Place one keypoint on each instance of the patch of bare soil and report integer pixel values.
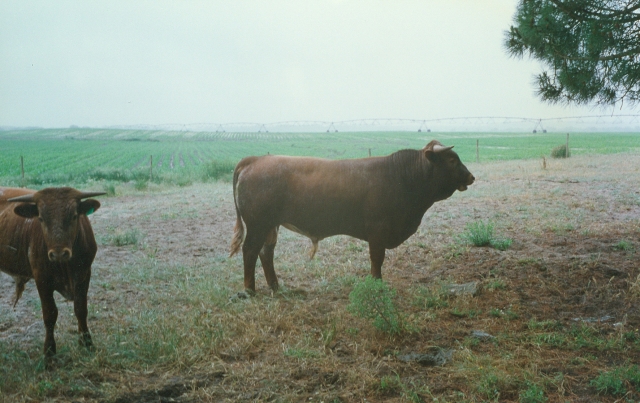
(572, 267)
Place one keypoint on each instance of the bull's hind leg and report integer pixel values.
(266, 257)
(250, 250)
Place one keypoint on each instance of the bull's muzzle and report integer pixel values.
(470, 180)
(59, 255)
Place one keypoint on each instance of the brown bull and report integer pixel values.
(47, 236)
(380, 200)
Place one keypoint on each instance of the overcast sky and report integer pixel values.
(101, 63)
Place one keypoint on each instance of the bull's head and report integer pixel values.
(448, 163)
(58, 210)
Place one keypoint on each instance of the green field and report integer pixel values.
(59, 156)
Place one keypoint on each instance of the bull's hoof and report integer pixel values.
(86, 342)
(49, 362)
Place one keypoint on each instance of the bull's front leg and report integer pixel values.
(49, 316)
(81, 311)
(376, 253)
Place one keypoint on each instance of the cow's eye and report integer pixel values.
(40, 219)
(75, 216)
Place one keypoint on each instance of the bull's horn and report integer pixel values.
(24, 198)
(84, 195)
(437, 148)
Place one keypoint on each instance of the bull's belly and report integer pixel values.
(383, 232)
(320, 232)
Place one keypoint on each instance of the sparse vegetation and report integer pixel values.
(556, 314)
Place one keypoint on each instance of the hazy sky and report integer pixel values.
(100, 63)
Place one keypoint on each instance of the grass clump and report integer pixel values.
(372, 299)
(560, 152)
(532, 394)
(615, 382)
(623, 245)
(479, 233)
(124, 238)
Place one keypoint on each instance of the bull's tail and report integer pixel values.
(238, 230)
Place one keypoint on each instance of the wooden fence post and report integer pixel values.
(369, 152)
(566, 149)
(22, 168)
(477, 150)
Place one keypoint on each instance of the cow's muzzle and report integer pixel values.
(60, 255)
(470, 180)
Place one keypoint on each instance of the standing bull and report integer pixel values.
(380, 200)
(47, 236)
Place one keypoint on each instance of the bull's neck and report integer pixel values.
(414, 173)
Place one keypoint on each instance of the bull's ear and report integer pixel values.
(88, 206)
(26, 210)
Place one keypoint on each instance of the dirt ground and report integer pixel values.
(575, 227)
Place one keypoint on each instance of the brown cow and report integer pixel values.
(47, 236)
(380, 200)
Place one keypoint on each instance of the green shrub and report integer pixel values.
(560, 152)
(372, 299)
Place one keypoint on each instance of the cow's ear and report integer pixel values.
(88, 206)
(26, 210)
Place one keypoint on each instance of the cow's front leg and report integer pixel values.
(80, 309)
(376, 253)
(49, 316)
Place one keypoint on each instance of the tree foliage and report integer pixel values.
(591, 48)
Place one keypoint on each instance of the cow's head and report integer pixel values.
(448, 167)
(58, 210)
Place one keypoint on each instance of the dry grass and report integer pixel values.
(562, 302)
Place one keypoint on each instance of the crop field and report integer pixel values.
(547, 310)
(58, 156)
